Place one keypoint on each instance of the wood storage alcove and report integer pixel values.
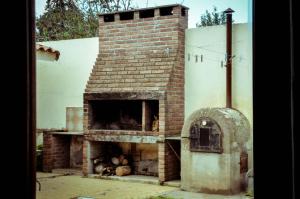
(121, 159)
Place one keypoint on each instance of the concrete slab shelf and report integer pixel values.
(67, 133)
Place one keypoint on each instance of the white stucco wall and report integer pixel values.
(61, 83)
(205, 82)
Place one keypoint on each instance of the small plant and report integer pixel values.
(250, 194)
(39, 147)
(39, 157)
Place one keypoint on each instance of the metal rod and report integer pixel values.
(228, 13)
(173, 150)
(37, 181)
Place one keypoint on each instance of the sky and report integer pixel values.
(242, 10)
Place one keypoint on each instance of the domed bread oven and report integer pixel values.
(212, 144)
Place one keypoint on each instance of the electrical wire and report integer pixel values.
(218, 52)
(208, 45)
(219, 42)
(222, 62)
(203, 58)
(241, 58)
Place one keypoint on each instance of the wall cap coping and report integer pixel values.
(140, 9)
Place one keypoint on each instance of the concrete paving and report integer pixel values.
(73, 187)
(178, 194)
(65, 186)
(40, 175)
(173, 183)
(67, 171)
(129, 178)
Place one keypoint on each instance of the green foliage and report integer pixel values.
(39, 147)
(55, 25)
(250, 194)
(93, 7)
(212, 18)
(72, 19)
(62, 20)
(39, 158)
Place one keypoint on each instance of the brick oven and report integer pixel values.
(134, 98)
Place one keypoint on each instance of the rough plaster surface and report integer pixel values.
(214, 172)
(234, 125)
(205, 82)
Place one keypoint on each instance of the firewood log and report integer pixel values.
(100, 168)
(108, 171)
(115, 161)
(155, 124)
(98, 160)
(123, 170)
(114, 126)
(125, 162)
(121, 158)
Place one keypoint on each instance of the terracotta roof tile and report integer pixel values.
(43, 48)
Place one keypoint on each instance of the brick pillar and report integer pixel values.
(161, 162)
(136, 15)
(101, 20)
(156, 13)
(47, 152)
(117, 17)
(85, 155)
(168, 163)
(162, 117)
(176, 10)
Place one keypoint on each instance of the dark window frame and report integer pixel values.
(214, 130)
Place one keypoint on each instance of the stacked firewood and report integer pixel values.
(117, 165)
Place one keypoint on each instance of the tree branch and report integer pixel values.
(107, 5)
(128, 4)
(123, 4)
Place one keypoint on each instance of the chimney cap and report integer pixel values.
(228, 11)
(148, 8)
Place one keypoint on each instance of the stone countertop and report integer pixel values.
(67, 133)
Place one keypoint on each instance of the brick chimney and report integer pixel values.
(139, 72)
